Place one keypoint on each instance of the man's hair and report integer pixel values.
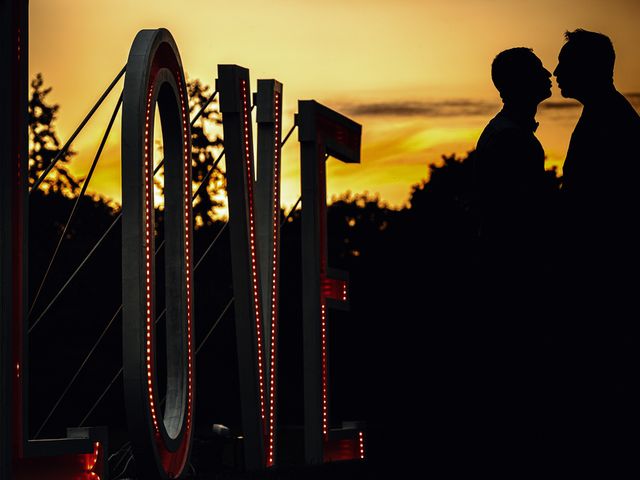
(508, 66)
(593, 48)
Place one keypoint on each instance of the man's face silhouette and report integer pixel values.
(520, 77)
(530, 81)
(570, 73)
(537, 80)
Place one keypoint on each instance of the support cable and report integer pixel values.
(215, 324)
(205, 180)
(293, 127)
(65, 147)
(293, 209)
(126, 448)
(101, 239)
(126, 465)
(213, 242)
(201, 111)
(73, 379)
(119, 372)
(75, 272)
(85, 185)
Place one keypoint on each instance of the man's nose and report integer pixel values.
(555, 72)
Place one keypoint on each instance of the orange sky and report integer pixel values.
(415, 73)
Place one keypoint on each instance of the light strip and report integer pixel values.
(274, 267)
(148, 179)
(148, 255)
(187, 242)
(323, 323)
(252, 244)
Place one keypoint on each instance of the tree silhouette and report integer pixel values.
(44, 144)
(445, 207)
(447, 203)
(205, 147)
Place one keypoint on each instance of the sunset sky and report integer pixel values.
(414, 73)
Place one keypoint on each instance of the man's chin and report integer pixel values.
(544, 95)
(566, 93)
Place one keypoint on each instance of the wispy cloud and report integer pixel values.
(442, 108)
(559, 105)
(634, 98)
(451, 108)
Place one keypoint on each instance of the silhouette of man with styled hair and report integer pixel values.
(600, 171)
(509, 177)
(597, 374)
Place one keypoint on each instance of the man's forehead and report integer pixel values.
(567, 51)
(532, 61)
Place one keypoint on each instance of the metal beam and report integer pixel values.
(13, 173)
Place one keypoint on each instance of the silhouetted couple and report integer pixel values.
(558, 287)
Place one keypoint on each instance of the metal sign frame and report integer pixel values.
(81, 453)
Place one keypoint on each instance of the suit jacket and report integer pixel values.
(601, 188)
(509, 174)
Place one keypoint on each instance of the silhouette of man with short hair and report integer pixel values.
(510, 176)
(597, 364)
(510, 160)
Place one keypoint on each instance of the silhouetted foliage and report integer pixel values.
(44, 143)
(206, 146)
(445, 206)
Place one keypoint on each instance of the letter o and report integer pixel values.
(160, 434)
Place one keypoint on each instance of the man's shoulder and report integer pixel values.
(607, 129)
(613, 114)
(628, 113)
(501, 129)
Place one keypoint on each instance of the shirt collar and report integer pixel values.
(522, 120)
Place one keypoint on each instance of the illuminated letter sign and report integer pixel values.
(322, 132)
(161, 429)
(161, 442)
(81, 454)
(254, 218)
